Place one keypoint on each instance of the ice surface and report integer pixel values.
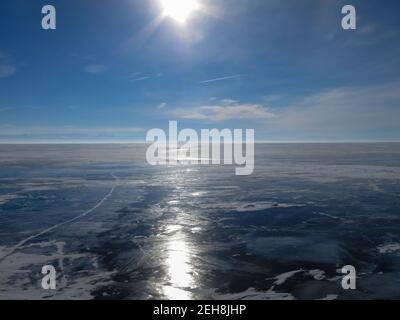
(117, 228)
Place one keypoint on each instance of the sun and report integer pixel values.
(179, 10)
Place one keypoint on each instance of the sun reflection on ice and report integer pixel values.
(179, 267)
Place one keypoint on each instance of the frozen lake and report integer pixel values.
(117, 228)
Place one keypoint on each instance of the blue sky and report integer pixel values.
(114, 69)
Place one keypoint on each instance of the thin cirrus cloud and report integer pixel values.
(7, 70)
(349, 112)
(225, 110)
(334, 113)
(345, 110)
(95, 68)
(4, 109)
(10, 130)
(138, 76)
(220, 79)
(161, 106)
(141, 78)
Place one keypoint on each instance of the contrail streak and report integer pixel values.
(220, 79)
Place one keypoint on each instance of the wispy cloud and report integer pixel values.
(95, 68)
(161, 105)
(10, 130)
(6, 109)
(368, 112)
(226, 110)
(342, 111)
(366, 29)
(7, 70)
(141, 78)
(220, 79)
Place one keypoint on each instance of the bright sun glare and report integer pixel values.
(179, 9)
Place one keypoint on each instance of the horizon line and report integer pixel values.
(144, 142)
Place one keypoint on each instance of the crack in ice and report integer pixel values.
(23, 242)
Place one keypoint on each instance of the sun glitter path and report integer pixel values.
(23, 242)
